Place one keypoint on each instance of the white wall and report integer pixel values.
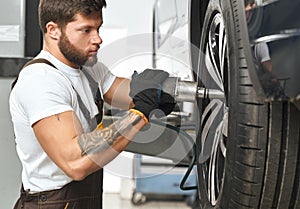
(126, 35)
(134, 15)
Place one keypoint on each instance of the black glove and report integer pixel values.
(166, 105)
(145, 90)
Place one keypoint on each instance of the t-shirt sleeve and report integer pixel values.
(103, 76)
(50, 94)
(262, 52)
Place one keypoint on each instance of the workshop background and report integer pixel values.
(16, 41)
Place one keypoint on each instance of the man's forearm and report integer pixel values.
(101, 140)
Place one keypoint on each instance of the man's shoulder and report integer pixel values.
(41, 74)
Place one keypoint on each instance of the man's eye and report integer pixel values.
(86, 30)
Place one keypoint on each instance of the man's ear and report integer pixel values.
(53, 30)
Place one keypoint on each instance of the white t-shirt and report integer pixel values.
(261, 52)
(42, 91)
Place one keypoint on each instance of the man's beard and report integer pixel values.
(73, 54)
(91, 60)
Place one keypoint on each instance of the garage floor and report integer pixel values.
(114, 201)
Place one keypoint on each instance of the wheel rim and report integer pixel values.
(214, 116)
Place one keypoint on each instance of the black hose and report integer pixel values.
(193, 160)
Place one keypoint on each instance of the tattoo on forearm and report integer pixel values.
(57, 116)
(100, 140)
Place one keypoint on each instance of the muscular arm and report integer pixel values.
(268, 70)
(118, 94)
(78, 154)
(267, 66)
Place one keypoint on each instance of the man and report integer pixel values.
(260, 50)
(53, 109)
(262, 57)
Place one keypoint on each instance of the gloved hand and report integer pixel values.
(146, 92)
(166, 105)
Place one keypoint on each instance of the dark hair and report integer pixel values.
(63, 11)
(247, 2)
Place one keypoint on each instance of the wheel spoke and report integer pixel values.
(211, 67)
(215, 50)
(222, 47)
(210, 113)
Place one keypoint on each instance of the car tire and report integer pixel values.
(247, 149)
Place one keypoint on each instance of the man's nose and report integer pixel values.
(97, 39)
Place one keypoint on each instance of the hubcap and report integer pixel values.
(214, 119)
